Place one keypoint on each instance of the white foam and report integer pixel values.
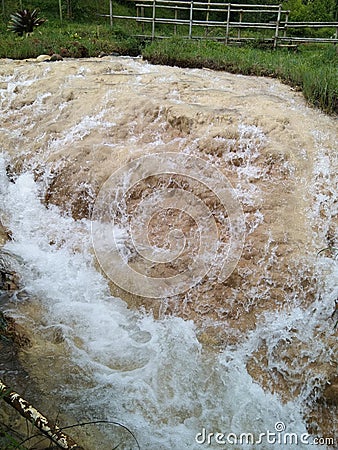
(150, 375)
(153, 375)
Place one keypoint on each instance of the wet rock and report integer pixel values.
(8, 278)
(42, 58)
(330, 392)
(4, 235)
(12, 331)
(56, 57)
(8, 281)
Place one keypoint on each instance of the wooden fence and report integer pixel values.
(220, 21)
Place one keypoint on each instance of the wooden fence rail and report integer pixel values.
(227, 18)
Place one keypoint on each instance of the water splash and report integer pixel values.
(155, 376)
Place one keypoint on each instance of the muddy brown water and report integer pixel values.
(75, 122)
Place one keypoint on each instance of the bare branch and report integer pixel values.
(41, 422)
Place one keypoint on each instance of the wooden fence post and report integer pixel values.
(153, 21)
(275, 41)
(228, 24)
(286, 22)
(60, 11)
(190, 19)
(142, 15)
(111, 13)
(240, 21)
(207, 18)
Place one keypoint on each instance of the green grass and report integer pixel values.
(7, 441)
(71, 40)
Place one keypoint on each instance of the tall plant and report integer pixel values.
(24, 21)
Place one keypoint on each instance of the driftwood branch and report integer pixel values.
(41, 422)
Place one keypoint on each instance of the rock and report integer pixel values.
(79, 50)
(102, 54)
(56, 57)
(42, 58)
(64, 52)
(4, 235)
(9, 280)
(13, 331)
(330, 392)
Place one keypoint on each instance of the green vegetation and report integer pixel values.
(75, 40)
(77, 29)
(24, 22)
(8, 442)
(311, 10)
(7, 439)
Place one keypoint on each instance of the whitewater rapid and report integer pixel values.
(158, 368)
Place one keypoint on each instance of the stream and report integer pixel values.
(174, 232)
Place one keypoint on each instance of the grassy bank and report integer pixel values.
(71, 40)
(312, 69)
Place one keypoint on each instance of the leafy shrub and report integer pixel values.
(24, 22)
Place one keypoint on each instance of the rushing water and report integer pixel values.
(102, 359)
